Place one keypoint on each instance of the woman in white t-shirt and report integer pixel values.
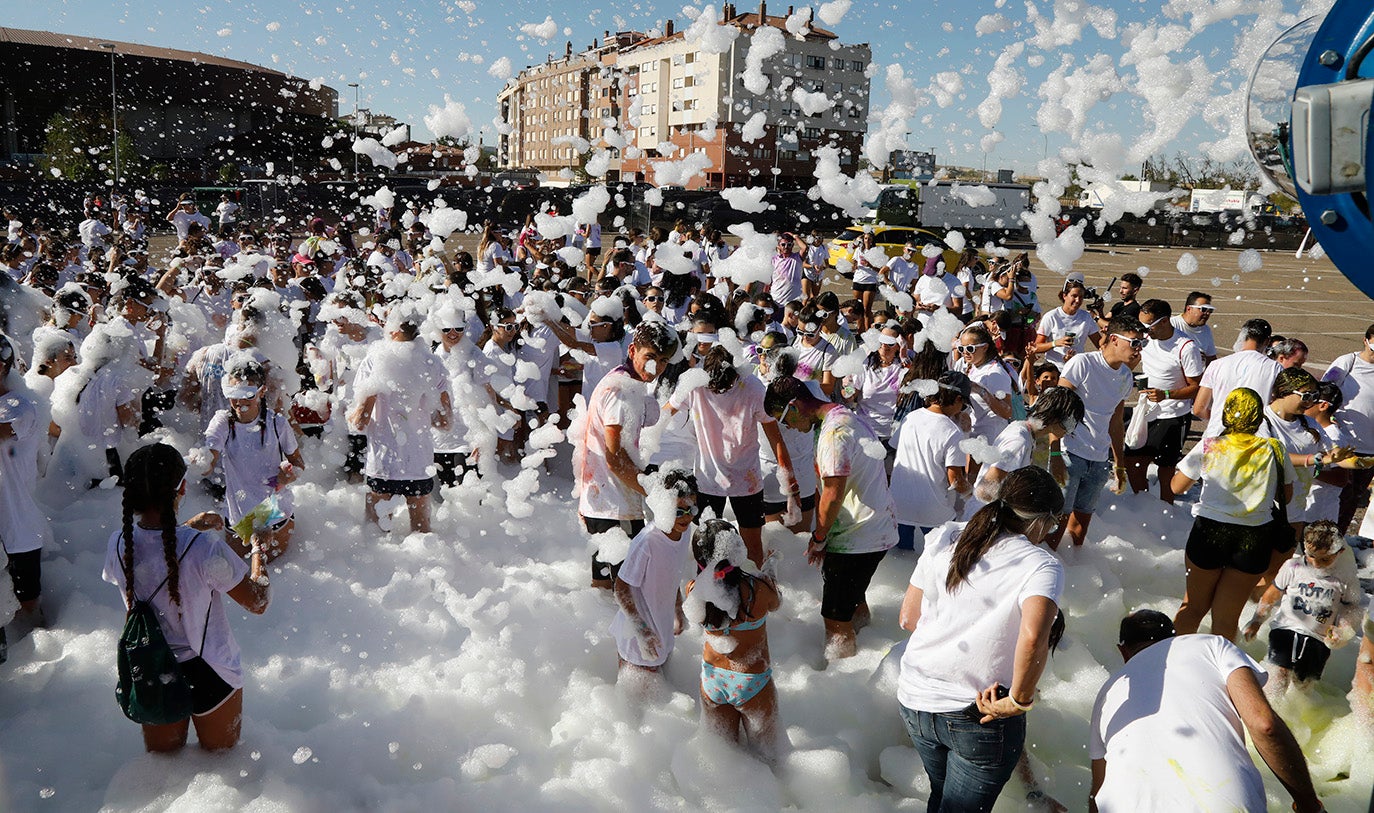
(993, 384)
(727, 412)
(453, 452)
(815, 355)
(1055, 414)
(184, 572)
(501, 349)
(979, 644)
(866, 274)
(1233, 533)
(998, 291)
(258, 450)
(1068, 329)
(874, 390)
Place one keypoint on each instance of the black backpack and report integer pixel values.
(151, 688)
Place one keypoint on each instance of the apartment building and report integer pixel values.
(648, 94)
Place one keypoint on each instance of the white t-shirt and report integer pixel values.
(848, 446)
(991, 302)
(409, 381)
(1244, 368)
(966, 640)
(993, 375)
(727, 430)
(1202, 335)
(1355, 377)
(927, 444)
(933, 290)
(801, 447)
(619, 400)
(1057, 324)
(23, 525)
(902, 272)
(814, 360)
(251, 460)
(541, 349)
(1015, 449)
(182, 221)
(1300, 436)
(1232, 493)
(1170, 735)
(226, 211)
(1168, 363)
(654, 568)
(864, 272)
(609, 355)
(1102, 390)
(1314, 598)
(877, 390)
(787, 278)
(208, 569)
(466, 398)
(1324, 499)
(498, 367)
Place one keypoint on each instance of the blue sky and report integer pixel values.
(407, 59)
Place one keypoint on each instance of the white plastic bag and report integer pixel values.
(1139, 427)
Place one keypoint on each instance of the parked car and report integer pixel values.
(891, 239)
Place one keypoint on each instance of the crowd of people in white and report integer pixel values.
(937, 410)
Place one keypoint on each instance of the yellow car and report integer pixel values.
(891, 239)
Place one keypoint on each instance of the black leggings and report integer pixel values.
(452, 467)
(748, 510)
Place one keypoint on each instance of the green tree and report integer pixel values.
(64, 149)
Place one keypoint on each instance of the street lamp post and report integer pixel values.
(354, 85)
(114, 113)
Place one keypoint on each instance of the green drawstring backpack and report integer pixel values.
(151, 689)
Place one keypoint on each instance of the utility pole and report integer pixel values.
(114, 113)
(354, 85)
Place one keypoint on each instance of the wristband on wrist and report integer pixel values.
(1019, 706)
(1166, 395)
(1056, 453)
(817, 539)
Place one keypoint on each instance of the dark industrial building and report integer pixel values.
(189, 111)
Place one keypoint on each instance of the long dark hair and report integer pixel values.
(152, 476)
(1028, 494)
(720, 370)
(728, 573)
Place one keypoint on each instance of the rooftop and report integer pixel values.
(50, 39)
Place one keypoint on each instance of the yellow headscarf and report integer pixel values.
(1243, 464)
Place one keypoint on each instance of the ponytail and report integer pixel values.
(1028, 495)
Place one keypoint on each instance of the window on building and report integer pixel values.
(811, 132)
(856, 65)
(677, 83)
(815, 62)
(690, 58)
(689, 104)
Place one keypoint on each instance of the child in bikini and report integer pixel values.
(737, 691)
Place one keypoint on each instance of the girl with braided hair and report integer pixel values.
(184, 572)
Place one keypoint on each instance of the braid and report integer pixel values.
(128, 560)
(169, 547)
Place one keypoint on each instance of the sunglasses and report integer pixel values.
(653, 299)
(1136, 344)
(790, 405)
(594, 325)
(507, 326)
(807, 333)
(822, 314)
(689, 511)
(1204, 308)
(452, 330)
(1308, 396)
(969, 348)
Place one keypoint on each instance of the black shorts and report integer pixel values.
(401, 488)
(1164, 441)
(208, 689)
(1305, 655)
(603, 571)
(594, 252)
(26, 571)
(748, 510)
(357, 453)
(452, 467)
(865, 287)
(1213, 545)
(844, 580)
(774, 508)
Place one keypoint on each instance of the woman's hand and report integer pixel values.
(206, 521)
(994, 707)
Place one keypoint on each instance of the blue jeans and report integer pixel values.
(906, 538)
(1086, 481)
(967, 762)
